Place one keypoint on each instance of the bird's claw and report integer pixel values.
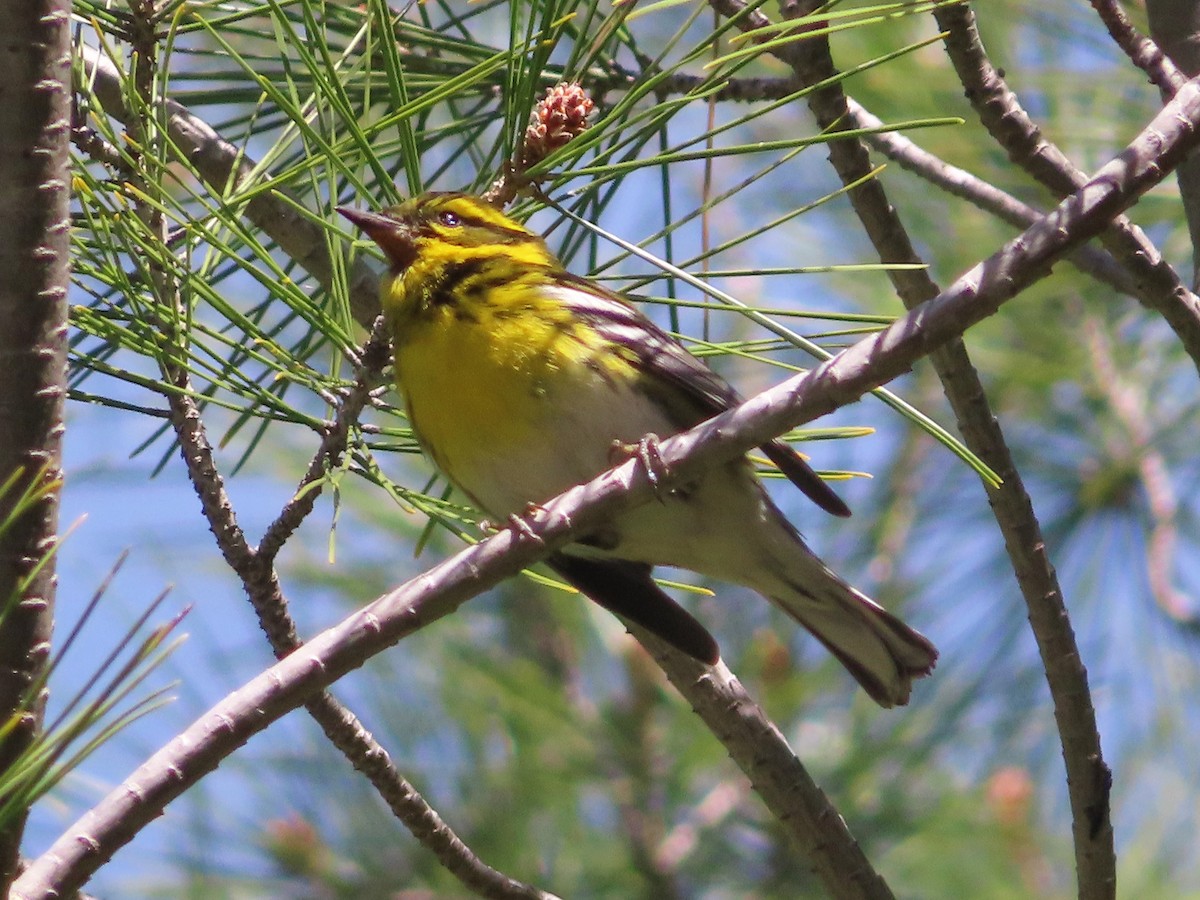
(518, 524)
(521, 526)
(647, 452)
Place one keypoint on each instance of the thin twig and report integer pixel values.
(333, 444)
(1142, 52)
(957, 182)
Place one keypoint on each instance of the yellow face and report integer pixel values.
(441, 226)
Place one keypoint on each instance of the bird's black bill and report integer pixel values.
(365, 219)
(393, 236)
(626, 588)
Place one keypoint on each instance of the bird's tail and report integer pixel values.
(882, 653)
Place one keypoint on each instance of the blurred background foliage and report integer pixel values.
(531, 722)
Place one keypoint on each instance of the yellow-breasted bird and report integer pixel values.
(519, 377)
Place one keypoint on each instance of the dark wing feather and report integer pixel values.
(801, 474)
(626, 588)
(659, 354)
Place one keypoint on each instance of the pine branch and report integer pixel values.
(865, 365)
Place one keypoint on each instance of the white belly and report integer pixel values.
(709, 526)
(575, 444)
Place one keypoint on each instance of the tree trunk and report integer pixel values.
(34, 242)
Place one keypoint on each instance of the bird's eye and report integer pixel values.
(449, 219)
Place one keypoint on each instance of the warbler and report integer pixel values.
(519, 380)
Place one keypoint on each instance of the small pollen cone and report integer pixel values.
(559, 117)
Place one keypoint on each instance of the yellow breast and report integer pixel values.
(470, 386)
(492, 391)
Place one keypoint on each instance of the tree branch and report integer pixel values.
(1142, 52)
(797, 803)
(957, 182)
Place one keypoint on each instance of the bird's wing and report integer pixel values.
(685, 387)
(626, 588)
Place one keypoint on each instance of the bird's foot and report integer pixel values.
(645, 451)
